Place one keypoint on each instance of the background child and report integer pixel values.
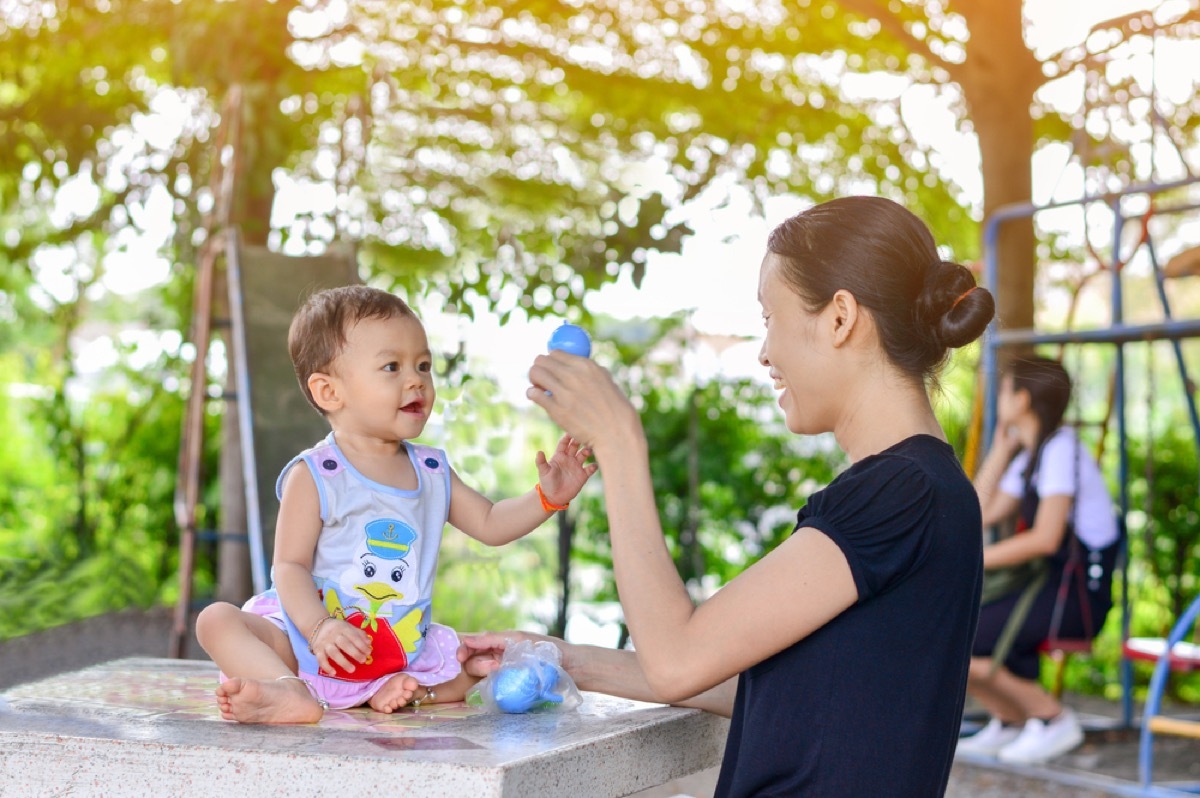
(1039, 473)
(348, 620)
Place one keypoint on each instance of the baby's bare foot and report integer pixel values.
(395, 693)
(255, 701)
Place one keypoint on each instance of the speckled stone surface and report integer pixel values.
(139, 727)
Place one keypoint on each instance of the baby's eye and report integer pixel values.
(425, 366)
(393, 366)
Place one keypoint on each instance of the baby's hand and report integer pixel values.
(564, 474)
(342, 643)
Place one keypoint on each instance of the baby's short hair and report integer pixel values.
(318, 331)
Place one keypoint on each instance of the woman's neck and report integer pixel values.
(889, 411)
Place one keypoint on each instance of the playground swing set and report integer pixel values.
(1174, 652)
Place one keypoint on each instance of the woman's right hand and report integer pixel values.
(342, 643)
(582, 398)
(481, 653)
(1008, 437)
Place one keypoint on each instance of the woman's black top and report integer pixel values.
(870, 704)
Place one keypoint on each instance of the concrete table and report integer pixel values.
(148, 727)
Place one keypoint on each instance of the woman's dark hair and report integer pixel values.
(1049, 388)
(887, 258)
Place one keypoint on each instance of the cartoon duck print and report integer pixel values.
(372, 583)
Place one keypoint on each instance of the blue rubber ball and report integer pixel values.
(572, 340)
(515, 690)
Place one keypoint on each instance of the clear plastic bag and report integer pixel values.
(530, 679)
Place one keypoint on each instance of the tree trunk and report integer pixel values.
(998, 80)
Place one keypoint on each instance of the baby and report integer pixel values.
(348, 619)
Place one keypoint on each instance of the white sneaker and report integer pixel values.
(1042, 740)
(989, 740)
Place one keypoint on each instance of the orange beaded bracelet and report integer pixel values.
(548, 505)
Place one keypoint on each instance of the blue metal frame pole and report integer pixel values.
(1118, 319)
(1176, 345)
(991, 279)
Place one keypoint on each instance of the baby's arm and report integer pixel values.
(296, 531)
(494, 524)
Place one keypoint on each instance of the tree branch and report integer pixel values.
(1068, 59)
(878, 11)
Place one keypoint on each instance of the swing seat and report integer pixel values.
(1060, 649)
(1065, 645)
(1185, 656)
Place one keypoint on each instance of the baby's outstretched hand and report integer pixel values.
(564, 474)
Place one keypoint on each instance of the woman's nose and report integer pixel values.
(762, 355)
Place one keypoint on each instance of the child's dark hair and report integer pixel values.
(887, 258)
(318, 331)
(1049, 388)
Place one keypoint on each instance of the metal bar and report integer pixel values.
(1118, 320)
(241, 370)
(191, 449)
(1160, 282)
(1117, 334)
(191, 454)
(1020, 210)
(991, 280)
(1158, 681)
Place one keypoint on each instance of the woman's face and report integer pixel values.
(793, 353)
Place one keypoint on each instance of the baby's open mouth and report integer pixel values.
(413, 407)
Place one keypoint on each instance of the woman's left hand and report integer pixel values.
(581, 398)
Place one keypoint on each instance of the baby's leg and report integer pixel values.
(255, 654)
(395, 693)
(285, 700)
(455, 689)
(244, 644)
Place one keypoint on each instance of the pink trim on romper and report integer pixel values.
(437, 662)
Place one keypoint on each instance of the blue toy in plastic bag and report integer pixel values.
(530, 678)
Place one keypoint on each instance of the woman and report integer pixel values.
(1038, 474)
(841, 655)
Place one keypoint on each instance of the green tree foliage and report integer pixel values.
(1165, 530)
(86, 522)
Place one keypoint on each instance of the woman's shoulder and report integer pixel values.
(907, 471)
(917, 453)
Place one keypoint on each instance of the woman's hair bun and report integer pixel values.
(952, 306)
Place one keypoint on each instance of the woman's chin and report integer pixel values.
(792, 420)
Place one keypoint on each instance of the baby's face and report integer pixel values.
(385, 376)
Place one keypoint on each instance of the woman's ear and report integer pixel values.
(324, 391)
(845, 315)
